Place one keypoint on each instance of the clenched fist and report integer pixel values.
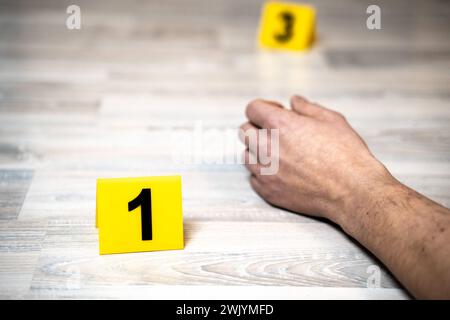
(323, 162)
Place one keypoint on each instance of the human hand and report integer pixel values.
(324, 165)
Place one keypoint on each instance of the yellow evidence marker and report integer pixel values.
(287, 26)
(139, 214)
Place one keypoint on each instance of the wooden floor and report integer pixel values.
(79, 105)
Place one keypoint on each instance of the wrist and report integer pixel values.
(367, 193)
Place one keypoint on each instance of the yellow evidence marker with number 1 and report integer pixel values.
(287, 26)
(139, 214)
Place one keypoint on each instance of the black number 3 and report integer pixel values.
(288, 19)
(144, 200)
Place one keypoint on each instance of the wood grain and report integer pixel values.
(20, 245)
(13, 188)
(216, 253)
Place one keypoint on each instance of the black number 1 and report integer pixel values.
(288, 19)
(144, 200)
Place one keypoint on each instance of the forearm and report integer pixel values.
(406, 231)
(326, 170)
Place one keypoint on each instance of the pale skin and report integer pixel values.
(326, 170)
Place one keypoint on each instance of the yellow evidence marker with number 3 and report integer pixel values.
(139, 214)
(288, 26)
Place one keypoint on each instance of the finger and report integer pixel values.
(257, 186)
(251, 163)
(248, 134)
(264, 114)
(309, 109)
